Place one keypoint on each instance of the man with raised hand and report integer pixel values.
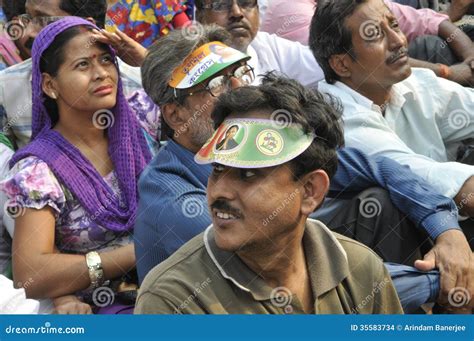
(408, 115)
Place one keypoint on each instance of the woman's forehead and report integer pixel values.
(84, 44)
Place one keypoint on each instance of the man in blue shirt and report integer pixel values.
(173, 205)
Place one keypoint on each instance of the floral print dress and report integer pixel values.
(31, 184)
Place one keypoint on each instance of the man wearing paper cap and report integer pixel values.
(184, 75)
(173, 188)
(262, 254)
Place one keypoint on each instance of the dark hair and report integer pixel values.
(52, 59)
(13, 8)
(301, 105)
(95, 9)
(329, 35)
(198, 4)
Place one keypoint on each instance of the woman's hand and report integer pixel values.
(127, 49)
(70, 304)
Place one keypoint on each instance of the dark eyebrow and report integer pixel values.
(88, 58)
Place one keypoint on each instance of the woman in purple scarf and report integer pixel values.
(73, 189)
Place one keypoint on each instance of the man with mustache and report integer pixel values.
(173, 187)
(434, 41)
(262, 255)
(409, 115)
(269, 52)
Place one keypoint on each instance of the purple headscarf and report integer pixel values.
(127, 147)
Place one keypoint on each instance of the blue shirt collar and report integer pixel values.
(202, 172)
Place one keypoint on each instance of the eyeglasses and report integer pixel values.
(226, 5)
(217, 85)
(39, 21)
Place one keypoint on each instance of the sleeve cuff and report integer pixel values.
(440, 222)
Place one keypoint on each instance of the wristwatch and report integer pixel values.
(96, 273)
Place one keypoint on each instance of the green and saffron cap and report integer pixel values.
(254, 143)
(203, 63)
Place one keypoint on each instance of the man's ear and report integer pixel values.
(340, 64)
(315, 187)
(49, 86)
(92, 20)
(173, 115)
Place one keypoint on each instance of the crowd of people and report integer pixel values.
(236, 157)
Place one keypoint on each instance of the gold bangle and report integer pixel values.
(96, 273)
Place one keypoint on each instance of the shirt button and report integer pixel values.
(288, 309)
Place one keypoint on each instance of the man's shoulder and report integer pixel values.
(419, 77)
(187, 265)
(18, 71)
(355, 250)
(166, 166)
(265, 40)
(350, 247)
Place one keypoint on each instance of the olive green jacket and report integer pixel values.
(346, 277)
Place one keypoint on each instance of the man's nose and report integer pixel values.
(396, 39)
(235, 83)
(235, 10)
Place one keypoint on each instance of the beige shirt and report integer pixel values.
(346, 277)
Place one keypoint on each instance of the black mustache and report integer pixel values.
(223, 205)
(397, 54)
